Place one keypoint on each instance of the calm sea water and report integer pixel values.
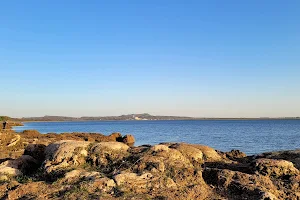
(249, 136)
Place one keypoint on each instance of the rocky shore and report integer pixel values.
(95, 166)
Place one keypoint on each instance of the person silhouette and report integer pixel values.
(4, 124)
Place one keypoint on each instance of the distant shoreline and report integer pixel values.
(195, 119)
(138, 117)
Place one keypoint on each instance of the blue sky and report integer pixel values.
(192, 58)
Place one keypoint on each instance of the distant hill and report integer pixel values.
(144, 116)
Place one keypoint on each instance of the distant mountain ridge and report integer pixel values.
(144, 116)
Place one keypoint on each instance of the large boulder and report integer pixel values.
(190, 152)
(161, 159)
(64, 154)
(107, 155)
(37, 151)
(25, 164)
(109, 147)
(209, 154)
(129, 140)
(116, 137)
(67, 153)
(172, 157)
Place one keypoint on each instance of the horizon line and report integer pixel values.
(265, 117)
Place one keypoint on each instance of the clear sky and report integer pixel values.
(193, 58)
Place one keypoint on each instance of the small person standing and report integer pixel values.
(4, 124)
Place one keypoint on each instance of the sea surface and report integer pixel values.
(249, 136)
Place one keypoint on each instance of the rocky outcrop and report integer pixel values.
(12, 145)
(209, 154)
(85, 169)
(109, 147)
(64, 154)
(192, 153)
(275, 168)
(25, 164)
(104, 154)
(116, 137)
(33, 136)
(129, 140)
(235, 154)
(37, 151)
(292, 156)
(238, 185)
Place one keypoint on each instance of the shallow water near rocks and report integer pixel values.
(249, 136)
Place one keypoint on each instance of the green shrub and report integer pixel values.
(4, 118)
